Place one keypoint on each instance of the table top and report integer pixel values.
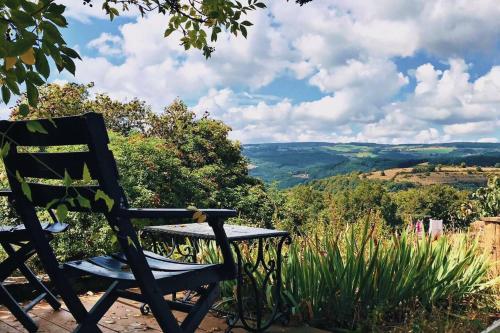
(204, 231)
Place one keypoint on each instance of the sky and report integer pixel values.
(386, 71)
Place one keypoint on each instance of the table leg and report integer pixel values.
(246, 277)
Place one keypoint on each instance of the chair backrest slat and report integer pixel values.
(55, 165)
(86, 130)
(60, 131)
(43, 194)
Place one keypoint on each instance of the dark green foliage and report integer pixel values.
(424, 168)
(435, 201)
(487, 199)
(31, 39)
(173, 159)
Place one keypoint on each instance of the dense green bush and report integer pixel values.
(435, 201)
(171, 159)
(486, 200)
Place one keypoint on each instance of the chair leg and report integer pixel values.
(49, 297)
(161, 310)
(16, 310)
(32, 279)
(99, 309)
(200, 309)
(13, 261)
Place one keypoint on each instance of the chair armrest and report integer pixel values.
(170, 213)
(5, 193)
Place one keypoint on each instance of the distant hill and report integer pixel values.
(457, 176)
(294, 163)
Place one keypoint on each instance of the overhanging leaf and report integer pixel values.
(28, 57)
(83, 202)
(5, 149)
(101, 195)
(24, 109)
(10, 62)
(86, 174)
(34, 126)
(61, 212)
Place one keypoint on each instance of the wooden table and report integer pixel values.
(169, 239)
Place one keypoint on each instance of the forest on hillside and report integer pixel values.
(295, 163)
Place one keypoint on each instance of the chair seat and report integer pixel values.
(19, 232)
(115, 267)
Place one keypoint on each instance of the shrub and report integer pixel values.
(487, 199)
(352, 279)
(438, 201)
(479, 169)
(424, 168)
(342, 281)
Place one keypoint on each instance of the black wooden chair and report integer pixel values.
(153, 275)
(18, 236)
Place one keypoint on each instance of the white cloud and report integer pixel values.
(78, 10)
(107, 44)
(345, 48)
(490, 140)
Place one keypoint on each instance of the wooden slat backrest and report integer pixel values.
(88, 130)
(61, 132)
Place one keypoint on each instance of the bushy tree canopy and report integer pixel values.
(31, 39)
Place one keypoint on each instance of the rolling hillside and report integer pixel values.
(294, 163)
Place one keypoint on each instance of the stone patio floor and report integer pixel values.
(123, 317)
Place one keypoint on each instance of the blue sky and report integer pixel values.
(389, 71)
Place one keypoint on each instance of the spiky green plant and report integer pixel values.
(349, 278)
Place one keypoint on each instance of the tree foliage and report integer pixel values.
(486, 200)
(31, 39)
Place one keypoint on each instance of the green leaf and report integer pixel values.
(101, 195)
(83, 202)
(131, 242)
(51, 33)
(24, 186)
(56, 9)
(20, 71)
(168, 31)
(35, 78)
(26, 190)
(247, 23)
(70, 52)
(69, 64)
(41, 63)
(24, 110)
(260, 5)
(67, 179)
(21, 18)
(86, 174)
(5, 94)
(32, 92)
(243, 31)
(61, 212)
(5, 149)
(34, 126)
(56, 18)
(51, 203)
(13, 86)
